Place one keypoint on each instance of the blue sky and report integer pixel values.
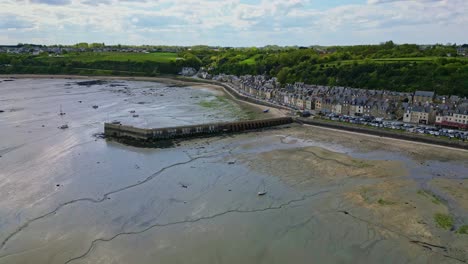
(233, 22)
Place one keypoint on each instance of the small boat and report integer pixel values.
(61, 112)
(115, 122)
(135, 115)
(266, 110)
(95, 106)
(63, 126)
(261, 193)
(132, 111)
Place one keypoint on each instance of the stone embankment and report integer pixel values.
(228, 87)
(454, 143)
(154, 134)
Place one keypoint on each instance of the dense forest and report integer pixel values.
(388, 66)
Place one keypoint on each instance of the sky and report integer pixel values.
(233, 23)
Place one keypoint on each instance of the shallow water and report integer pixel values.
(69, 197)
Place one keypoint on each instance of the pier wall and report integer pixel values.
(152, 134)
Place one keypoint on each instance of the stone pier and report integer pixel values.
(154, 134)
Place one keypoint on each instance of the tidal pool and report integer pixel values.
(67, 196)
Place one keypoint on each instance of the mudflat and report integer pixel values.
(70, 196)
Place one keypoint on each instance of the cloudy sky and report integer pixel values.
(233, 22)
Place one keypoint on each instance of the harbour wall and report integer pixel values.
(154, 134)
(454, 143)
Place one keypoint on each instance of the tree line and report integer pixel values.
(386, 66)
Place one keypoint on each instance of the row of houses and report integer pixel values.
(420, 107)
(442, 111)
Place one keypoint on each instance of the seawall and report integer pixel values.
(234, 93)
(385, 133)
(154, 134)
(239, 96)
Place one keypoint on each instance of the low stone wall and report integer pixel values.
(237, 95)
(152, 134)
(386, 133)
(233, 92)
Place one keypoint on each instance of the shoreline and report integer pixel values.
(386, 138)
(184, 81)
(407, 137)
(172, 80)
(164, 79)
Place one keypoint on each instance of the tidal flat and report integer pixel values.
(70, 196)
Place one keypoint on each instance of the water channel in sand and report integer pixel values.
(67, 196)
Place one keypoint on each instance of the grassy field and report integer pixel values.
(251, 60)
(115, 56)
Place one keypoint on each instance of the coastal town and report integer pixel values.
(58, 50)
(423, 112)
(272, 131)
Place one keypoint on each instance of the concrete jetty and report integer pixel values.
(154, 134)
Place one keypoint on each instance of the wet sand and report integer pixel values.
(221, 91)
(67, 196)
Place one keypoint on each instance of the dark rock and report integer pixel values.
(89, 83)
(116, 85)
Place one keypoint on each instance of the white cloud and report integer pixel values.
(232, 22)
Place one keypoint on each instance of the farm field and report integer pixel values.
(162, 57)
